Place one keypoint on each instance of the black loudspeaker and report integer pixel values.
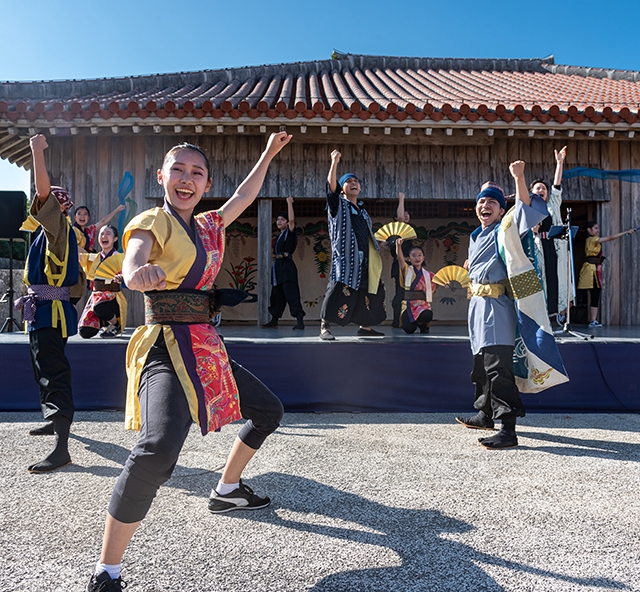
(13, 211)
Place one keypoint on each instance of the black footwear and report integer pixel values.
(369, 333)
(503, 439)
(242, 498)
(299, 326)
(272, 324)
(43, 430)
(326, 335)
(104, 583)
(110, 331)
(477, 422)
(57, 459)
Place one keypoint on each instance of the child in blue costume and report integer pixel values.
(492, 313)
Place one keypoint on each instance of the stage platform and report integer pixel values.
(394, 373)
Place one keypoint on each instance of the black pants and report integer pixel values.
(52, 372)
(105, 311)
(496, 391)
(422, 322)
(165, 425)
(286, 293)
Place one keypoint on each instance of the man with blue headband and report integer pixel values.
(355, 293)
(492, 311)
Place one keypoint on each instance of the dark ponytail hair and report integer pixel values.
(187, 146)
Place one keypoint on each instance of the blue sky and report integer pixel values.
(73, 39)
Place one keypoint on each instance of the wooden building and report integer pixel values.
(433, 128)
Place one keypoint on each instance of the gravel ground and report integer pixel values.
(402, 502)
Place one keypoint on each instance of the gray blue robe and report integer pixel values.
(493, 321)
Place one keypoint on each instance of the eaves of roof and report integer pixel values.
(375, 88)
(349, 90)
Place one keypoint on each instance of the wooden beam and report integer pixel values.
(264, 259)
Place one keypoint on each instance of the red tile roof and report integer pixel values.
(351, 86)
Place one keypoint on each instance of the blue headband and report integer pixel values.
(494, 193)
(345, 178)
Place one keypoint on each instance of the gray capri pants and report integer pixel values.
(166, 421)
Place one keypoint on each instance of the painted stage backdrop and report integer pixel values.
(445, 242)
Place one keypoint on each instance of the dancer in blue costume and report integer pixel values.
(492, 313)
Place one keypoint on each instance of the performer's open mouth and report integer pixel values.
(184, 193)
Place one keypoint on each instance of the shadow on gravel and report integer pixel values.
(429, 561)
(568, 446)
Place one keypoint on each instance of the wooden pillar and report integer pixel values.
(610, 224)
(264, 259)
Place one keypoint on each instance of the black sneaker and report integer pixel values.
(242, 498)
(103, 583)
(110, 331)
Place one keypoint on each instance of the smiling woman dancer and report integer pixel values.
(177, 365)
(106, 309)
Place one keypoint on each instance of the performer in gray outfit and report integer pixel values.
(492, 313)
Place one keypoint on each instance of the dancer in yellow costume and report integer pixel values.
(106, 309)
(591, 272)
(177, 365)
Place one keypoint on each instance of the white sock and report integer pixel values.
(224, 488)
(112, 570)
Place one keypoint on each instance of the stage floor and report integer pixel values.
(393, 373)
(248, 333)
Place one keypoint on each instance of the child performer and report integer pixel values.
(418, 290)
(177, 365)
(284, 274)
(591, 271)
(355, 293)
(85, 232)
(555, 252)
(54, 280)
(107, 306)
(492, 314)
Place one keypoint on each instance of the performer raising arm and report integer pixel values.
(177, 365)
(492, 314)
(355, 293)
(54, 284)
(591, 271)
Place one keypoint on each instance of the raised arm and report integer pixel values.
(292, 217)
(400, 255)
(38, 145)
(400, 210)
(606, 239)
(560, 156)
(332, 176)
(522, 191)
(100, 223)
(248, 190)
(138, 273)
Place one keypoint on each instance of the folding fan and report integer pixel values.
(395, 229)
(110, 267)
(452, 273)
